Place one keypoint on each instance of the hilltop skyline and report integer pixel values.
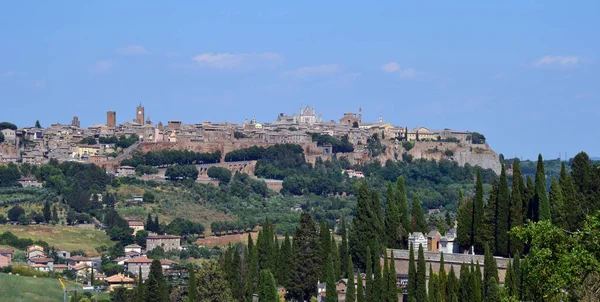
(526, 78)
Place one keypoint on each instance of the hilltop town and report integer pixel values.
(108, 144)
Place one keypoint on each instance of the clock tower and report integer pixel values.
(139, 114)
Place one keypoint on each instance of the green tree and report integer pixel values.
(305, 275)
(571, 217)
(252, 262)
(557, 208)
(156, 286)
(344, 249)
(379, 223)
(360, 292)
(466, 288)
(452, 286)
(421, 277)
(192, 290)
(476, 226)
(509, 281)
(528, 199)
(15, 212)
(220, 173)
(377, 280)
(350, 291)
(325, 244)
(489, 227)
(267, 289)
(212, 284)
(502, 223)
(369, 277)
(393, 233)
(140, 294)
(493, 291)
(335, 259)
(516, 207)
(55, 214)
(331, 295)
(541, 198)
(475, 277)
(385, 294)
(433, 293)
(490, 268)
(402, 202)
(47, 212)
(392, 279)
(412, 274)
(363, 233)
(464, 222)
(442, 278)
(37, 124)
(418, 216)
(285, 254)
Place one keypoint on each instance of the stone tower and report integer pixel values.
(111, 119)
(75, 122)
(139, 114)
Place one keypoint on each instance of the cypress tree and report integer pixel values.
(518, 276)
(350, 294)
(412, 273)
(47, 213)
(331, 294)
(476, 282)
(139, 290)
(252, 279)
(286, 261)
(325, 243)
(442, 278)
(488, 229)
(502, 226)
(421, 277)
(493, 291)
(434, 290)
(452, 286)
(392, 221)
(385, 289)
(265, 247)
(541, 199)
(464, 234)
(379, 223)
(516, 207)
(156, 286)
(476, 227)
(192, 290)
(344, 248)
(237, 278)
(402, 202)
(55, 214)
(149, 223)
(490, 268)
(335, 259)
(306, 252)
(465, 283)
(362, 233)
(418, 216)
(369, 277)
(360, 291)
(267, 289)
(509, 281)
(571, 220)
(392, 279)
(528, 199)
(557, 205)
(156, 224)
(377, 280)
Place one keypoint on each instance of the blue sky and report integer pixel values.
(524, 73)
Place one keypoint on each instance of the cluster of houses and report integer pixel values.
(134, 259)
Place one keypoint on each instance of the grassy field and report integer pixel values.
(19, 288)
(64, 237)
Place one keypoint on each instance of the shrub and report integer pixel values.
(407, 146)
(449, 153)
(407, 157)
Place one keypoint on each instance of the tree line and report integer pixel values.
(171, 157)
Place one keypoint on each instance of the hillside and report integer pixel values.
(18, 288)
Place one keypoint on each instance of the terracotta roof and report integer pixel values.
(60, 266)
(80, 266)
(39, 265)
(117, 260)
(163, 237)
(79, 258)
(41, 260)
(166, 262)
(6, 251)
(136, 223)
(118, 278)
(139, 260)
(133, 246)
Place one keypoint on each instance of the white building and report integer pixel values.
(416, 239)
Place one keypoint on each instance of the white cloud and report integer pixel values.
(39, 84)
(102, 66)
(230, 61)
(319, 70)
(133, 50)
(409, 73)
(390, 67)
(558, 61)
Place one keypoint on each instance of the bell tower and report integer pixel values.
(139, 114)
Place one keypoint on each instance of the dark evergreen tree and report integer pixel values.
(360, 290)
(557, 205)
(331, 295)
(369, 277)
(46, 212)
(350, 290)
(325, 244)
(237, 281)
(55, 214)
(452, 286)
(286, 261)
(528, 199)
(392, 280)
(493, 291)
(572, 216)
(344, 248)
(252, 274)
(412, 274)
(377, 280)
(433, 293)
(541, 198)
(490, 268)
(192, 290)
(150, 223)
(518, 276)
(393, 233)
(419, 224)
(502, 223)
(156, 286)
(488, 229)
(442, 278)
(267, 289)
(140, 295)
(421, 277)
(402, 202)
(476, 227)
(265, 247)
(464, 235)
(37, 124)
(306, 251)
(362, 233)
(516, 207)
(509, 281)
(465, 283)
(378, 222)
(477, 290)
(335, 259)
(384, 280)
